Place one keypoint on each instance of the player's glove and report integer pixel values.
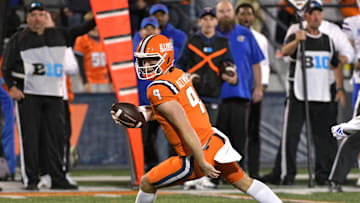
(338, 132)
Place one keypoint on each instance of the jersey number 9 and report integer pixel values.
(194, 99)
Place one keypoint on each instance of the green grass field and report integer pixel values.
(321, 197)
(173, 195)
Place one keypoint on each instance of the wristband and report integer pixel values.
(142, 109)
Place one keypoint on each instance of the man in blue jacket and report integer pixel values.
(233, 111)
(176, 36)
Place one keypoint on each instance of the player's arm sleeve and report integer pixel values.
(11, 53)
(80, 50)
(352, 126)
(342, 43)
(80, 60)
(182, 61)
(72, 33)
(346, 28)
(160, 93)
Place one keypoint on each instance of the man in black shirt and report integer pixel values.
(202, 58)
(33, 70)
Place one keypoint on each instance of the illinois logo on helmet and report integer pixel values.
(154, 56)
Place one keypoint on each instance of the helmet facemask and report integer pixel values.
(154, 57)
(150, 71)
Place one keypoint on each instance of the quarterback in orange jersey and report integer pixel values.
(202, 150)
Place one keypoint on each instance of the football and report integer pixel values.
(227, 68)
(128, 115)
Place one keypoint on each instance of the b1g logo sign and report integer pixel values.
(317, 60)
(48, 69)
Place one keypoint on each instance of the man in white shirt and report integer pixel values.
(245, 16)
(342, 44)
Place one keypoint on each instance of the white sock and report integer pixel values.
(143, 197)
(262, 193)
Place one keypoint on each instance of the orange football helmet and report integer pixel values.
(156, 47)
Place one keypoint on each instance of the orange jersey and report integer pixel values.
(176, 86)
(4, 84)
(94, 59)
(69, 89)
(349, 11)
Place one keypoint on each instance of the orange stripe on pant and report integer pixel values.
(177, 170)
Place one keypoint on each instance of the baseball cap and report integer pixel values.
(314, 5)
(149, 21)
(207, 11)
(35, 6)
(158, 7)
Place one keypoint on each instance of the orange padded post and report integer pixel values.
(113, 22)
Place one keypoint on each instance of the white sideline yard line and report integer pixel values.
(306, 176)
(128, 178)
(223, 194)
(296, 189)
(101, 178)
(12, 197)
(108, 195)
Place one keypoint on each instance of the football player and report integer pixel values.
(201, 150)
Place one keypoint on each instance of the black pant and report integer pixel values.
(321, 119)
(66, 151)
(233, 121)
(37, 113)
(43, 153)
(346, 156)
(253, 148)
(213, 110)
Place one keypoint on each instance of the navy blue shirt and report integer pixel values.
(183, 63)
(176, 36)
(246, 53)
